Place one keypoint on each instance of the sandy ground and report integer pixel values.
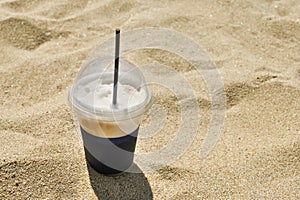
(256, 47)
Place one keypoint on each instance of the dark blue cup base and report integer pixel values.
(106, 150)
(99, 166)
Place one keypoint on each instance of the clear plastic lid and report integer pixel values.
(91, 94)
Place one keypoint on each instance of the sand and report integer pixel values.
(255, 46)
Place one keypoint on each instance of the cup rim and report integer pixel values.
(112, 115)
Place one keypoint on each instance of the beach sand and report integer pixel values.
(256, 48)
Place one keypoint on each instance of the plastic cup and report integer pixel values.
(109, 134)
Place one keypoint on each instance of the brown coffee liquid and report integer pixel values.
(102, 128)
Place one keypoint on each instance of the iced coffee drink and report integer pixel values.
(109, 132)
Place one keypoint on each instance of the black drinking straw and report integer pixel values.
(116, 72)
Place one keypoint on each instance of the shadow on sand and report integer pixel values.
(123, 186)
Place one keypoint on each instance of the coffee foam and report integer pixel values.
(100, 96)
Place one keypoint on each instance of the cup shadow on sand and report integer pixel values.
(122, 186)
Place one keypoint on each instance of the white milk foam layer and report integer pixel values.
(100, 97)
